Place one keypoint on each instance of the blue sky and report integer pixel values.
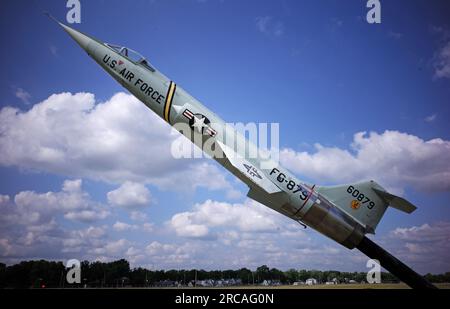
(316, 67)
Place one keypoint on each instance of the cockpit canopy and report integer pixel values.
(131, 55)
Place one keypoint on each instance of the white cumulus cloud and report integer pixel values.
(71, 201)
(115, 141)
(394, 159)
(439, 232)
(426, 246)
(130, 195)
(4, 199)
(122, 226)
(247, 217)
(138, 215)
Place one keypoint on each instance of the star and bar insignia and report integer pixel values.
(199, 123)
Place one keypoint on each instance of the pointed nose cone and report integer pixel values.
(82, 39)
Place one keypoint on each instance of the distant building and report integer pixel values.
(333, 281)
(205, 283)
(166, 283)
(271, 283)
(311, 281)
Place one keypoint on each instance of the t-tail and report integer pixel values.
(366, 202)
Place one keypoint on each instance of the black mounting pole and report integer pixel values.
(393, 265)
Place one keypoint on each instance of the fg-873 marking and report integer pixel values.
(290, 184)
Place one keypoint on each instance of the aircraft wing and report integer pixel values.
(251, 172)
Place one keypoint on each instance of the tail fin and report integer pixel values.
(366, 202)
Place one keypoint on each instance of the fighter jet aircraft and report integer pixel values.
(343, 213)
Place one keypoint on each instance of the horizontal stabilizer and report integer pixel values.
(396, 201)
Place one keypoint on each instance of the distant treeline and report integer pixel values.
(38, 274)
